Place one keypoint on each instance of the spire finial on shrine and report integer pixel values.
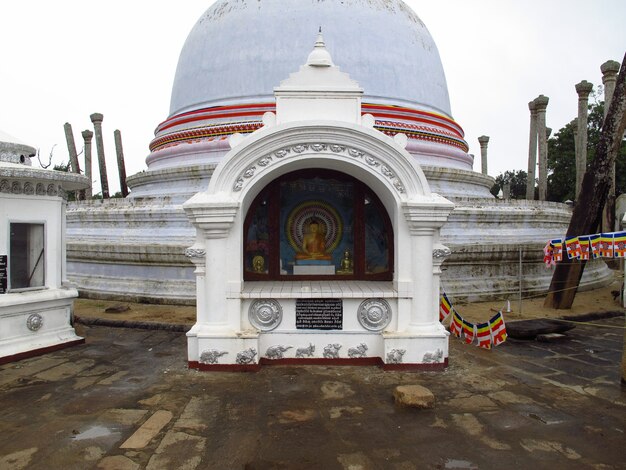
(320, 57)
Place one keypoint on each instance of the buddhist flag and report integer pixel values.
(498, 329)
(619, 244)
(606, 245)
(585, 249)
(456, 325)
(548, 255)
(483, 333)
(557, 249)
(444, 308)
(594, 244)
(469, 331)
(572, 246)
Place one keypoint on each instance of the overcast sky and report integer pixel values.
(63, 60)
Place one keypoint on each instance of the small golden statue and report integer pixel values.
(314, 243)
(345, 266)
(258, 264)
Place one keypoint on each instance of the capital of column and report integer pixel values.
(214, 217)
(440, 253)
(532, 107)
(87, 135)
(96, 118)
(583, 89)
(483, 140)
(425, 217)
(609, 70)
(541, 103)
(197, 255)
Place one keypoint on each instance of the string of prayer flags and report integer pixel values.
(619, 245)
(586, 247)
(486, 334)
(456, 324)
(469, 331)
(498, 329)
(444, 308)
(572, 246)
(606, 245)
(483, 335)
(585, 250)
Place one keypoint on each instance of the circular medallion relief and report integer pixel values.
(374, 314)
(34, 321)
(265, 314)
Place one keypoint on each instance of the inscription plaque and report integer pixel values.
(319, 314)
(3, 274)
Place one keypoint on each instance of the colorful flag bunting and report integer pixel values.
(483, 333)
(498, 329)
(456, 325)
(572, 246)
(594, 243)
(469, 331)
(444, 308)
(585, 250)
(619, 244)
(548, 255)
(557, 249)
(606, 245)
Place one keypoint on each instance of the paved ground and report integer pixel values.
(126, 400)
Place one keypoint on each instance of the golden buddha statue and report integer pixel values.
(345, 266)
(313, 244)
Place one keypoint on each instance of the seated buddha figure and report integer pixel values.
(313, 244)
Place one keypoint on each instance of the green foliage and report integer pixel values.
(517, 180)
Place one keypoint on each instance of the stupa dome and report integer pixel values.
(238, 51)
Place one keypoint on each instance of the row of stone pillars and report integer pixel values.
(539, 134)
(96, 119)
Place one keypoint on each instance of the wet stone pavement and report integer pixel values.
(126, 400)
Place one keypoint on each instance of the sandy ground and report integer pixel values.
(599, 300)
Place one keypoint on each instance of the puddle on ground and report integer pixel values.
(454, 464)
(93, 432)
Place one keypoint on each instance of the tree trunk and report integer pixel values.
(588, 209)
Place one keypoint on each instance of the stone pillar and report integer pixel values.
(506, 191)
(583, 89)
(440, 253)
(609, 71)
(532, 153)
(87, 135)
(483, 140)
(96, 118)
(541, 103)
(71, 147)
(121, 168)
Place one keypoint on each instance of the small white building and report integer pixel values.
(35, 299)
(317, 239)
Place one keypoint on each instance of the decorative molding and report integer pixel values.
(357, 351)
(374, 314)
(331, 351)
(265, 314)
(439, 253)
(246, 356)
(29, 188)
(433, 357)
(395, 356)
(308, 351)
(277, 352)
(317, 147)
(195, 252)
(34, 322)
(211, 356)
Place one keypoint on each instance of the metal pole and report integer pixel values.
(520, 279)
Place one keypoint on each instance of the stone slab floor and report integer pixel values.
(126, 400)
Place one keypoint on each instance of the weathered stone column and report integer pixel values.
(609, 77)
(87, 135)
(97, 118)
(71, 147)
(541, 103)
(532, 152)
(483, 140)
(121, 168)
(583, 89)
(506, 191)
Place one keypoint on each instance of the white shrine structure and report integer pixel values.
(35, 296)
(318, 238)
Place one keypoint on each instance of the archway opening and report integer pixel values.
(317, 224)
